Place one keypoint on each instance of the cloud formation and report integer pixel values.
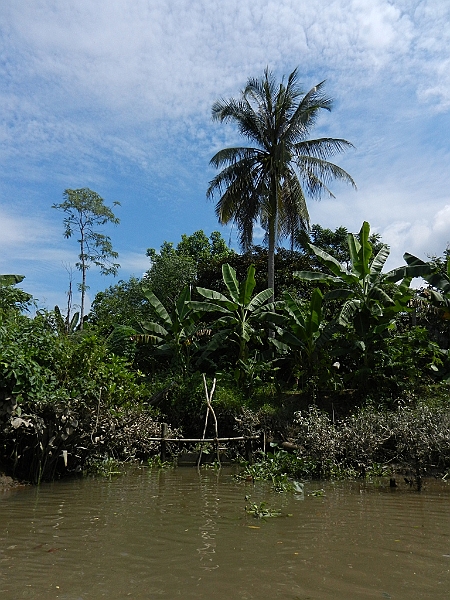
(116, 96)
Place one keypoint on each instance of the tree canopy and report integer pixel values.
(269, 181)
(85, 211)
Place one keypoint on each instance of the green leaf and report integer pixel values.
(203, 306)
(229, 277)
(314, 317)
(290, 340)
(360, 345)
(438, 299)
(414, 268)
(377, 293)
(182, 299)
(316, 276)
(270, 317)
(217, 297)
(379, 262)
(284, 348)
(432, 276)
(217, 341)
(366, 249)
(158, 307)
(293, 310)
(11, 279)
(259, 299)
(348, 311)
(354, 248)
(414, 260)
(247, 286)
(154, 328)
(340, 294)
(335, 267)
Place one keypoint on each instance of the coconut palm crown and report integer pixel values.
(269, 181)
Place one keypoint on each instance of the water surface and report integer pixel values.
(185, 534)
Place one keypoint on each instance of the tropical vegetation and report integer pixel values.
(339, 335)
(341, 365)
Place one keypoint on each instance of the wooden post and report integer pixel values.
(249, 450)
(262, 441)
(163, 442)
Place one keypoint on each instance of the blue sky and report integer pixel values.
(116, 95)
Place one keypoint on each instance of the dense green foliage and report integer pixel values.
(174, 268)
(55, 390)
(323, 351)
(342, 334)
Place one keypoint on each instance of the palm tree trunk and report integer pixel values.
(272, 235)
(271, 258)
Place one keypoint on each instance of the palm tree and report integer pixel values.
(268, 182)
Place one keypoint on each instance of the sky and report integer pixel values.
(116, 96)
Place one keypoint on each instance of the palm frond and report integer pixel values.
(270, 180)
(293, 215)
(317, 175)
(322, 148)
(233, 156)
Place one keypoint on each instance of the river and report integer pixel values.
(185, 534)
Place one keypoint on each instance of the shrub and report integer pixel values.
(362, 436)
(317, 439)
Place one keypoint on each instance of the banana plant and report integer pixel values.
(240, 315)
(368, 304)
(173, 333)
(304, 326)
(305, 333)
(440, 295)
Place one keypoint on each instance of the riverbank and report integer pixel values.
(412, 440)
(7, 483)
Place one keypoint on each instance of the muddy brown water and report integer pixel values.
(185, 534)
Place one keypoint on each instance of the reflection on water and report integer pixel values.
(208, 530)
(185, 534)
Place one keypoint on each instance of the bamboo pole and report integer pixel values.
(240, 438)
(163, 440)
(209, 409)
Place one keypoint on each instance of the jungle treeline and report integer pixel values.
(338, 343)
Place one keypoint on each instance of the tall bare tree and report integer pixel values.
(85, 211)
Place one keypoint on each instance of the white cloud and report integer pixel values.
(82, 76)
(17, 230)
(421, 237)
(96, 93)
(134, 262)
(171, 58)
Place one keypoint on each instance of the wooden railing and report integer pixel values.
(248, 439)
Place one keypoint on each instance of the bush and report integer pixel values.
(422, 437)
(416, 438)
(362, 436)
(49, 440)
(318, 440)
(56, 392)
